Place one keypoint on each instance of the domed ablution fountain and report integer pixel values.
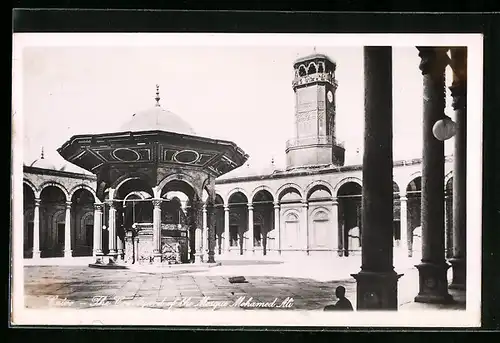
(156, 188)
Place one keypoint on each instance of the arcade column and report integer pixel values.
(157, 253)
(67, 231)
(249, 242)
(277, 236)
(403, 200)
(304, 226)
(433, 284)
(98, 232)
(459, 94)
(112, 232)
(335, 222)
(377, 280)
(198, 230)
(227, 241)
(36, 229)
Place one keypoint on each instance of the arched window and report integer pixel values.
(312, 69)
(320, 233)
(291, 231)
(302, 70)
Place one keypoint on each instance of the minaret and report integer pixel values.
(157, 96)
(314, 143)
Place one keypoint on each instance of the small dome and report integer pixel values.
(159, 119)
(43, 163)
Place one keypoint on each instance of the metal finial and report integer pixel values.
(314, 49)
(42, 155)
(272, 160)
(157, 95)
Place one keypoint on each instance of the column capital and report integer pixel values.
(204, 207)
(157, 202)
(335, 201)
(98, 206)
(304, 203)
(38, 201)
(276, 205)
(226, 207)
(68, 204)
(403, 198)
(250, 206)
(458, 91)
(433, 59)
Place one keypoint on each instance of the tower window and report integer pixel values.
(312, 68)
(321, 68)
(302, 70)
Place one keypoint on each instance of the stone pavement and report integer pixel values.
(311, 285)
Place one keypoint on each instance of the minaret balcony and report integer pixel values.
(312, 140)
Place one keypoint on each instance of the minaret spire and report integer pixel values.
(41, 154)
(157, 96)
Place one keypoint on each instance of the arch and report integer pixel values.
(410, 178)
(178, 176)
(347, 180)
(320, 209)
(262, 188)
(236, 190)
(32, 186)
(289, 185)
(312, 68)
(291, 213)
(127, 177)
(86, 187)
(310, 187)
(84, 218)
(55, 184)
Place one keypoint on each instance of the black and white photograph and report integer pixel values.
(247, 179)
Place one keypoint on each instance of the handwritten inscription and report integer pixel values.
(168, 303)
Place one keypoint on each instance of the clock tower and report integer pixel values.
(314, 143)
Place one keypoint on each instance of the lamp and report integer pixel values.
(444, 128)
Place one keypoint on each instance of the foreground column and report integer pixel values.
(405, 245)
(157, 253)
(198, 223)
(112, 232)
(36, 229)
(97, 232)
(459, 93)
(335, 222)
(377, 280)
(67, 231)
(277, 235)
(211, 235)
(249, 243)
(433, 284)
(227, 241)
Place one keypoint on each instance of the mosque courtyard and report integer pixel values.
(305, 284)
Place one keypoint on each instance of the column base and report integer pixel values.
(211, 257)
(68, 253)
(198, 258)
(157, 259)
(36, 255)
(377, 290)
(458, 273)
(433, 283)
(112, 257)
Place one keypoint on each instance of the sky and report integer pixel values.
(239, 93)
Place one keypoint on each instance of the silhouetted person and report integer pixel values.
(343, 304)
